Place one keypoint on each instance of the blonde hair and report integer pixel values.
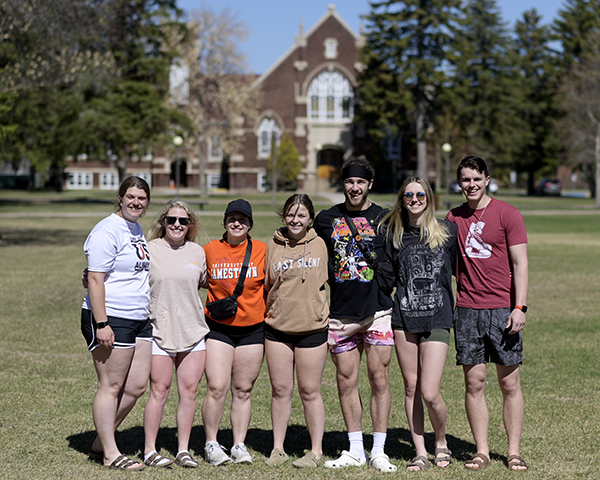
(431, 231)
(157, 230)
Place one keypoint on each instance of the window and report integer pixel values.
(331, 48)
(215, 151)
(261, 181)
(80, 181)
(331, 98)
(268, 132)
(213, 180)
(109, 181)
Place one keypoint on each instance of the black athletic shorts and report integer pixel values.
(302, 340)
(126, 331)
(236, 336)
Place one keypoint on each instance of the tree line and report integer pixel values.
(451, 71)
(91, 77)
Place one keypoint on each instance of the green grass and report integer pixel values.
(47, 381)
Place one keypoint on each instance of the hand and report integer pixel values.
(516, 321)
(106, 337)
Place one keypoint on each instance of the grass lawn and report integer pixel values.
(47, 381)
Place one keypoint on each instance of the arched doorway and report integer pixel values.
(329, 165)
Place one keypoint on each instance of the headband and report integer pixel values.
(357, 171)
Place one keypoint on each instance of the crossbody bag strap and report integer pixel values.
(369, 256)
(242, 278)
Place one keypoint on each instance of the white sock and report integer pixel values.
(357, 447)
(378, 443)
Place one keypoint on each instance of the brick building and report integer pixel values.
(308, 94)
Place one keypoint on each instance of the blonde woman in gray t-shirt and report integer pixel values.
(177, 270)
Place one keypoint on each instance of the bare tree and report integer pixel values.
(215, 88)
(581, 125)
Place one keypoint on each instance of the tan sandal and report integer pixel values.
(443, 454)
(516, 461)
(480, 460)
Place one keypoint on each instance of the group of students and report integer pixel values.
(143, 318)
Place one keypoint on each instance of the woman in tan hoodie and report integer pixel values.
(296, 325)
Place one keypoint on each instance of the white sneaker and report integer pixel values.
(239, 454)
(215, 454)
(346, 460)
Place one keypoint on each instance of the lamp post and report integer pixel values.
(447, 148)
(177, 141)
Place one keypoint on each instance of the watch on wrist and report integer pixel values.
(523, 308)
(100, 325)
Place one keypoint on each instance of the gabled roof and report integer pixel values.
(331, 12)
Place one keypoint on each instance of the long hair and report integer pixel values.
(431, 232)
(157, 230)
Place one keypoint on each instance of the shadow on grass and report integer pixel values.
(398, 445)
(41, 237)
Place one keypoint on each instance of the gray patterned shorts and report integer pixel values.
(481, 336)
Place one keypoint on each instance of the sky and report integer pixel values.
(273, 24)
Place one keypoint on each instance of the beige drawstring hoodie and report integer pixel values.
(296, 272)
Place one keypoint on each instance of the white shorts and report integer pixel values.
(156, 350)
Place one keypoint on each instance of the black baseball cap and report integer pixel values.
(240, 205)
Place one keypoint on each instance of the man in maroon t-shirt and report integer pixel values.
(492, 280)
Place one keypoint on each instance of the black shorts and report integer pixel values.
(236, 336)
(302, 340)
(126, 331)
(481, 336)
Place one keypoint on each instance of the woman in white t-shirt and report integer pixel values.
(178, 269)
(114, 318)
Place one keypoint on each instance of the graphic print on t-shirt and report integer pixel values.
(350, 263)
(141, 250)
(475, 246)
(420, 272)
(231, 270)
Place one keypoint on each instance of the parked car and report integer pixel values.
(492, 186)
(549, 186)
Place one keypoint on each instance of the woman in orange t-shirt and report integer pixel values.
(235, 346)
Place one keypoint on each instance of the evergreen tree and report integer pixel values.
(572, 27)
(485, 92)
(537, 84)
(406, 51)
(128, 115)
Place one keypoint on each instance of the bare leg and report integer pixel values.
(122, 379)
(280, 360)
(378, 363)
(247, 361)
(310, 363)
(219, 361)
(513, 407)
(347, 367)
(433, 360)
(407, 351)
(476, 407)
(190, 368)
(161, 376)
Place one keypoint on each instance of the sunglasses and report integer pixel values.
(183, 221)
(420, 196)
